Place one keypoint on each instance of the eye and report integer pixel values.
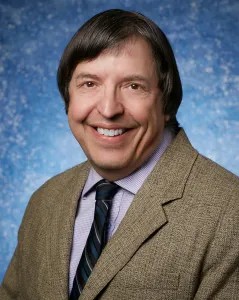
(134, 86)
(89, 84)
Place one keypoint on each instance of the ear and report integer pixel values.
(166, 118)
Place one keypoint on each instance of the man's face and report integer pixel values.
(115, 109)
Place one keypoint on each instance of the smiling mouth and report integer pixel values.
(110, 132)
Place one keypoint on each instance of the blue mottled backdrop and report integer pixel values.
(35, 141)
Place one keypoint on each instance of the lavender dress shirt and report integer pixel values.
(121, 202)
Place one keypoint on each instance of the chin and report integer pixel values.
(110, 165)
(114, 169)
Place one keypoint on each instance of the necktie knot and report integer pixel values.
(105, 190)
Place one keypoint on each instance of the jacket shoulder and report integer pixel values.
(212, 184)
(214, 172)
(62, 179)
(56, 191)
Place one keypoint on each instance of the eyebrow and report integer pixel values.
(86, 75)
(135, 78)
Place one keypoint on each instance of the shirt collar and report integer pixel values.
(134, 181)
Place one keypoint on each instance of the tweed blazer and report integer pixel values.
(178, 240)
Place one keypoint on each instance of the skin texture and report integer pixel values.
(117, 90)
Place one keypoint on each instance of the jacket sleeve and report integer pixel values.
(9, 286)
(220, 275)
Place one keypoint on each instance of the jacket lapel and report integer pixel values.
(146, 213)
(61, 226)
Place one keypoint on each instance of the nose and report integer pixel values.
(110, 105)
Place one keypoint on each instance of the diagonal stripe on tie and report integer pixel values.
(96, 241)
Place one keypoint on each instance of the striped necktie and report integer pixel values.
(97, 238)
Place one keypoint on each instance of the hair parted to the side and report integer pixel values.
(108, 30)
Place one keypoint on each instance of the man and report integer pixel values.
(166, 224)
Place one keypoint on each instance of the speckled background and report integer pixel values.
(35, 142)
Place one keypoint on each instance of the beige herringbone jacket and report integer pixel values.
(178, 240)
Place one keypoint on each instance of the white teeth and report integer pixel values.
(110, 132)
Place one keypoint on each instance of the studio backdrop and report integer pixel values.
(35, 141)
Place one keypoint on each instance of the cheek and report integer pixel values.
(147, 113)
(78, 111)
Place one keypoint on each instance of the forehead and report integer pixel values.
(132, 53)
(128, 45)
